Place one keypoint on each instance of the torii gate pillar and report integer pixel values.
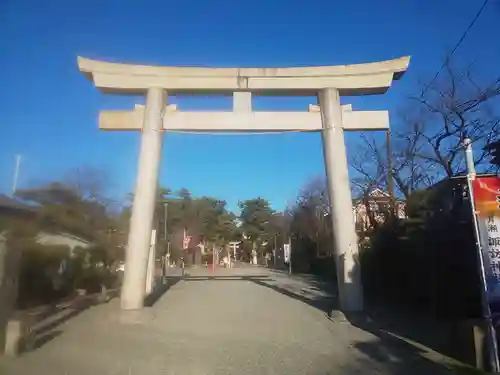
(141, 222)
(339, 191)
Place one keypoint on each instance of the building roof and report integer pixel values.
(15, 204)
(376, 195)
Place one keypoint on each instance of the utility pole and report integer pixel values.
(290, 255)
(390, 179)
(166, 217)
(275, 249)
(16, 174)
(110, 230)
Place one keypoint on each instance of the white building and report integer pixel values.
(377, 206)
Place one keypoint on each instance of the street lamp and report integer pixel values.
(110, 230)
(165, 204)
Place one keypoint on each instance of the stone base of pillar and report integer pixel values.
(337, 316)
(16, 337)
(349, 283)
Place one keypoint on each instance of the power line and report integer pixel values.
(457, 45)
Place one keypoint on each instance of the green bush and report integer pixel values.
(42, 276)
(427, 265)
(90, 269)
(324, 267)
(50, 273)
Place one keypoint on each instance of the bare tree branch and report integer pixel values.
(427, 143)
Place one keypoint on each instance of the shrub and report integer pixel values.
(427, 265)
(42, 276)
(90, 269)
(50, 273)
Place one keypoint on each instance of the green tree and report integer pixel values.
(79, 207)
(256, 217)
(205, 219)
(60, 208)
(311, 229)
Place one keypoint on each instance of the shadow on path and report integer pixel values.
(68, 314)
(395, 354)
(44, 338)
(161, 287)
(325, 303)
(45, 330)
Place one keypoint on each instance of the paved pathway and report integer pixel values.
(246, 320)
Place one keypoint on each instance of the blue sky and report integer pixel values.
(49, 110)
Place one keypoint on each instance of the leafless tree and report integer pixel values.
(91, 184)
(429, 131)
(456, 107)
(372, 170)
(310, 216)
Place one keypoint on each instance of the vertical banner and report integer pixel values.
(286, 252)
(185, 242)
(150, 276)
(487, 203)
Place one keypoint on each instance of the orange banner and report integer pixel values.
(487, 201)
(487, 195)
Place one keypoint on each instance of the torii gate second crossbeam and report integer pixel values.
(330, 118)
(244, 122)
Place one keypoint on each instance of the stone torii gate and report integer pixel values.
(330, 118)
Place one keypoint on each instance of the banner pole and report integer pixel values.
(486, 311)
(290, 255)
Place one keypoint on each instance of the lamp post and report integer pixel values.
(110, 230)
(165, 204)
(275, 249)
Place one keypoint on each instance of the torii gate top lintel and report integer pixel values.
(355, 79)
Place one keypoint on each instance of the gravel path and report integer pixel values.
(247, 320)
